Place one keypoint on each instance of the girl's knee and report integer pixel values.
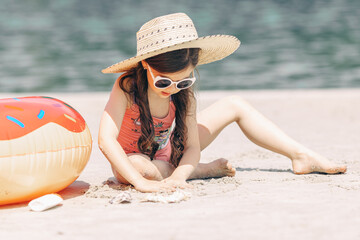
(152, 170)
(144, 166)
(235, 100)
(119, 177)
(165, 168)
(138, 160)
(237, 104)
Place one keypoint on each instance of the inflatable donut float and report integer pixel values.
(44, 146)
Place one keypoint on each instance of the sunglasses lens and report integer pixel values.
(162, 83)
(184, 84)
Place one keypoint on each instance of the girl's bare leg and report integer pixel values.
(260, 131)
(255, 126)
(159, 169)
(217, 168)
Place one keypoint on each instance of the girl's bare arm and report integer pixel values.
(191, 156)
(109, 130)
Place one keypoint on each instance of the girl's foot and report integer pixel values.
(217, 168)
(309, 161)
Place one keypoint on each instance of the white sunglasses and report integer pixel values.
(164, 82)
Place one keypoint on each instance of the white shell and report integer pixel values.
(122, 197)
(45, 202)
(175, 197)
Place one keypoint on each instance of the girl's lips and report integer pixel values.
(165, 93)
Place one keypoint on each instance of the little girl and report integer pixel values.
(150, 131)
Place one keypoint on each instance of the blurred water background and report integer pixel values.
(61, 45)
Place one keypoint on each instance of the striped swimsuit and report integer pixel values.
(131, 131)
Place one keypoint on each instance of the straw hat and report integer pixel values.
(172, 32)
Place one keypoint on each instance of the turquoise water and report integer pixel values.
(62, 45)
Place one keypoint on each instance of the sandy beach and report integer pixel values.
(265, 200)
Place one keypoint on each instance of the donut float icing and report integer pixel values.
(44, 146)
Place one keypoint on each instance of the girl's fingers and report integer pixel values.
(167, 187)
(155, 186)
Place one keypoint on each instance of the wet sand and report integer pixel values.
(265, 200)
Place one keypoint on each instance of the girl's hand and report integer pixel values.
(177, 183)
(147, 186)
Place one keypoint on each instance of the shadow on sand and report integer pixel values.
(76, 189)
(113, 183)
(280, 170)
(263, 170)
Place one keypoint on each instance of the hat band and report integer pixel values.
(164, 36)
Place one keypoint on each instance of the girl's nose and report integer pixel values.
(172, 88)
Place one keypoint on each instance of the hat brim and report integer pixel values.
(213, 48)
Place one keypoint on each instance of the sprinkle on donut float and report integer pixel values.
(44, 146)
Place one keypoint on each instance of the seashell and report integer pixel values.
(122, 197)
(175, 197)
(45, 202)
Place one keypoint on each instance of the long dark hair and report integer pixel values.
(135, 84)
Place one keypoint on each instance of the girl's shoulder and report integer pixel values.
(124, 83)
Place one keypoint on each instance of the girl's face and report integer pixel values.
(175, 77)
